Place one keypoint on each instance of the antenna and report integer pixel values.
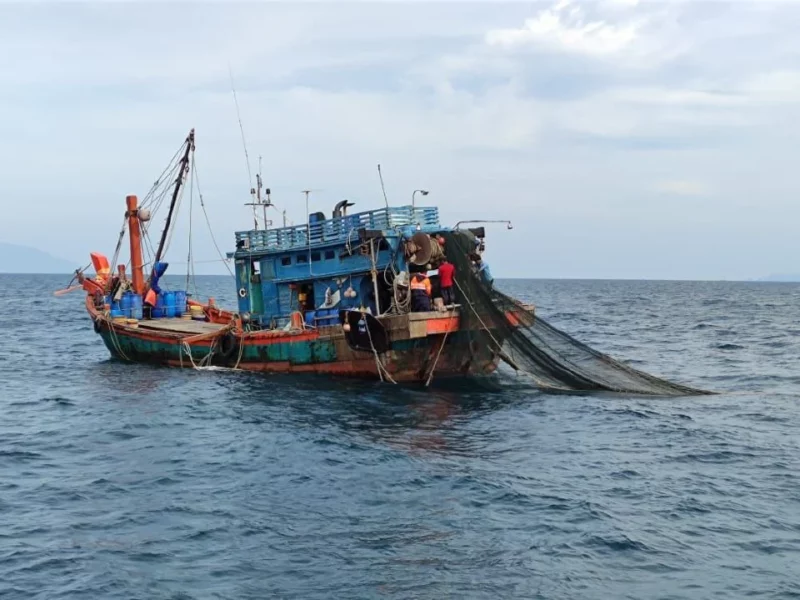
(308, 229)
(383, 189)
(244, 145)
(258, 179)
(259, 185)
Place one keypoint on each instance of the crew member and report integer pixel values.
(420, 293)
(483, 271)
(446, 271)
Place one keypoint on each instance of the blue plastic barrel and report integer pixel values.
(116, 310)
(180, 303)
(136, 306)
(169, 304)
(310, 314)
(127, 304)
(327, 316)
(158, 311)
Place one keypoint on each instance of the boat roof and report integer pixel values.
(337, 230)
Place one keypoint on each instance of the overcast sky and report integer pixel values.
(624, 139)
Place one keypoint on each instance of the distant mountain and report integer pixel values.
(22, 259)
(781, 277)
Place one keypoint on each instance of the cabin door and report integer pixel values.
(256, 297)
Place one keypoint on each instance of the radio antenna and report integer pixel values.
(383, 189)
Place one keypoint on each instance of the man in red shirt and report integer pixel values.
(446, 271)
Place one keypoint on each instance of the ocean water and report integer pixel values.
(128, 481)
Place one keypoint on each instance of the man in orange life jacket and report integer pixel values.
(420, 293)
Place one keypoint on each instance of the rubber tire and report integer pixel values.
(228, 346)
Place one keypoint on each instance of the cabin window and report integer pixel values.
(267, 269)
(255, 276)
(286, 261)
(330, 255)
(316, 257)
(302, 259)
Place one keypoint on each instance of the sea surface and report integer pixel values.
(129, 481)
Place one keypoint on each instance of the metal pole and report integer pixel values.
(423, 192)
(182, 171)
(374, 277)
(508, 224)
(308, 230)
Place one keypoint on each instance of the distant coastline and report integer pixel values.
(781, 278)
(16, 259)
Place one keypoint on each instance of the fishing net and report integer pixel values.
(528, 343)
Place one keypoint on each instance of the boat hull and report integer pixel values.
(441, 350)
(407, 360)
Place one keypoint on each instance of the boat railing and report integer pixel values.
(338, 229)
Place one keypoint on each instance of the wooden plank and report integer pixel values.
(433, 315)
(436, 326)
(180, 326)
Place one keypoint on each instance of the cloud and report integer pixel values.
(770, 87)
(560, 117)
(682, 187)
(565, 27)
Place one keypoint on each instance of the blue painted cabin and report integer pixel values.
(324, 265)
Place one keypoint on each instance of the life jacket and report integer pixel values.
(421, 284)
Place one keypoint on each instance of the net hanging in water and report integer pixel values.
(553, 359)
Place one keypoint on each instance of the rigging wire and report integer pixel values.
(171, 231)
(189, 264)
(196, 175)
(244, 143)
(155, 202)
(119, 244)
(160, 179)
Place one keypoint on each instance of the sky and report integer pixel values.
(624, 139)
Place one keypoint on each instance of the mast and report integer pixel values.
(178, 183)
(136, 244)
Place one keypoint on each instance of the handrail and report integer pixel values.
(338, 229)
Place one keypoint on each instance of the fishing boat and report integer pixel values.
(330, 296)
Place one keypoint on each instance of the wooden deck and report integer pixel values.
(180, 326)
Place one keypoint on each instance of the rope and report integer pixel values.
(115, 340)
(381, 369)
(204, 362)
(241, 350)
(439, 353)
